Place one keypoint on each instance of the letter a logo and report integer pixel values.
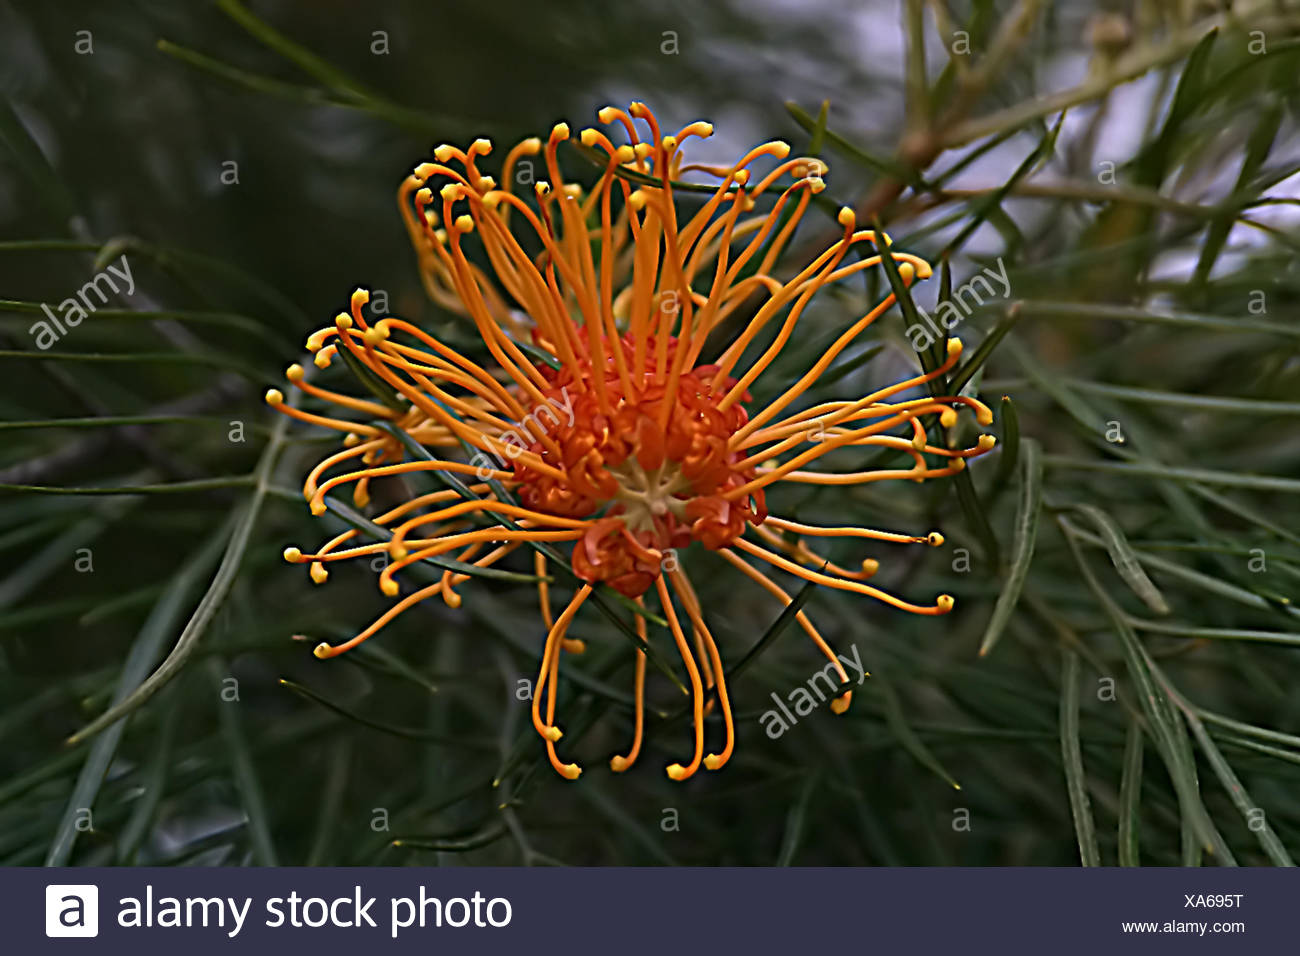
(71, 910)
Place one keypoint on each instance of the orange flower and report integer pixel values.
(610, 431)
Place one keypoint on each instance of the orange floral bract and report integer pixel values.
(630, 435)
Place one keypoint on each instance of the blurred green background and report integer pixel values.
(1127, 559)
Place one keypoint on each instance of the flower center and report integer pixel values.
(658, 473)
(645, 497)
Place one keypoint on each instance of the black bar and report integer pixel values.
(659, 911)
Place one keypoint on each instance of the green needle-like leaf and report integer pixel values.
(1022, 543)
(1072, 753)
(1130, 797)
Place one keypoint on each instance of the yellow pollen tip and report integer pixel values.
(317, 508)
(948, 418)
(292, 555)
(742, 177)
(424, 196)
(491, 200)
(840, 704)
(618, 764)
(440, 236)
(553, 733)
(636, 200)
(398, 551)
(318, 573)
(530, 146)
(360, 297)
(918, 441)
(945, 603)
(571, 771)
(934, 539)
(984, 415)
(294, 373)
(572, 190)
(374, 335)
(324, 356)
(906, 271)
(815, 183)
(588, 136)
(954, 347)
(847, 218)
(343, 321)
(607, 114)
(486, 183)
(317, 339)
(560, 131)
(274, 396)
(452, 598)
(676, 772)
(389, 587)
(870, 566)
(465, 223)
(444, 153)
(451, 192)
(351, 440)
(625, 154)
(423, 171)
(780, 149)
(958, 464)
(642, 150)
(670, 143)
(482, 146)
(322, 651)
(542, 189)
(987, 441)
(712, 762)
(704, 129)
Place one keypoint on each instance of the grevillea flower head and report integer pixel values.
(624, 430)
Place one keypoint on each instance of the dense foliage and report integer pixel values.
(1116, 684)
